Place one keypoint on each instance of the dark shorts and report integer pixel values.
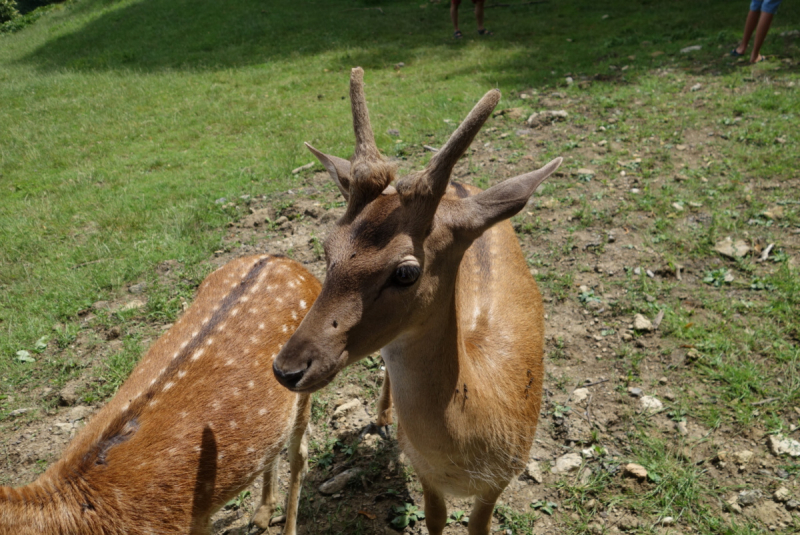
(767, 6)
(457, 2)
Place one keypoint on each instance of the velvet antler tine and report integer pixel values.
(441, 165)
(365, 139)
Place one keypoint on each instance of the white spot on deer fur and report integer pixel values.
(221, 327)
(175, 355)
(251, 384)
(168, 386)
(262, 412)
(251, 449)
(209, 341)
(302, 304)
(284, 328)
(270, 287)
(235, 392)
(229, 362)
(234, 311)
(153, 382)
(216, 405)
(302, 278)
(153, 402)
(184, 414)
(234, 285)
(206, 319)
(279, 300)
(244, 299)
(125, 407)
(184, 344)
(194, 333)
(197, 354)
(254, 288)
(294, 315)
(254, 339)
(261, 326)
(181, 374)
(233, 424)
(292, 284)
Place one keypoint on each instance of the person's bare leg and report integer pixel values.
(749, 26)
(479, 14)
(454, 15)
(764, 23)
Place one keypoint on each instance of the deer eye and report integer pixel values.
(405, 275)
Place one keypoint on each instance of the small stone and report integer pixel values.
(569, 80)
(627, 337)
(733, 505)
(595, 528)
(635, 391)
(634, 470)
(650, 404)
(792, 504)
(136, 304)
(393, 132)
(533, 471)
(780, 445)
(588, 453)
(667, 521)
(696, 87)
(678, 206)
(731, 249)
(692, 48)
(669, 396)
(748, 497)
(580, 394)
(781, 495)
(591, 504)
(346, 407)
(114, 333)
(640, 323)
(338, 482)
(662, 380)
(17, 412)
(628, 523)
(138, 288)
(100, 305)
(776, 212)
(743, 457)
(78, 412)
(565, 464)
(546, 117)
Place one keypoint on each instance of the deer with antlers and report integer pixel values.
(200, 417)
(431, 273)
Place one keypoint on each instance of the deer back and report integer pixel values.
(198, 419)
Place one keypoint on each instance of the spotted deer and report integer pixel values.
(199, 418)
(431, 273)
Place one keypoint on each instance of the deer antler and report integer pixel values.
(371, 174)
(433, 180)
(365, 139)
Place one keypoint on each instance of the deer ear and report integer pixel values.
(502, 201)
(338, 168)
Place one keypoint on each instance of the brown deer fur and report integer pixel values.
(432, 273)
(200, 417)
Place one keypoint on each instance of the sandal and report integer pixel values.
(457, 34)
(736, 54)
(485, 32)
(760, 59)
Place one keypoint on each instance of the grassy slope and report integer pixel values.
(124, 121)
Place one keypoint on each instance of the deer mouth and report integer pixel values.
(314, 376)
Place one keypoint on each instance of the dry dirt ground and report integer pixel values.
(588, 344)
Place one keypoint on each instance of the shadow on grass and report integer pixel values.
(536, 42)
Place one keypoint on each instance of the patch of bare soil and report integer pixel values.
(593, 397)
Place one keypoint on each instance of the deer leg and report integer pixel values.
(269, 492)
(435, 509)
(480, 519)
(298, 463)
(385, 403)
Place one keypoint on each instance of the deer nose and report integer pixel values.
(288, 379)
